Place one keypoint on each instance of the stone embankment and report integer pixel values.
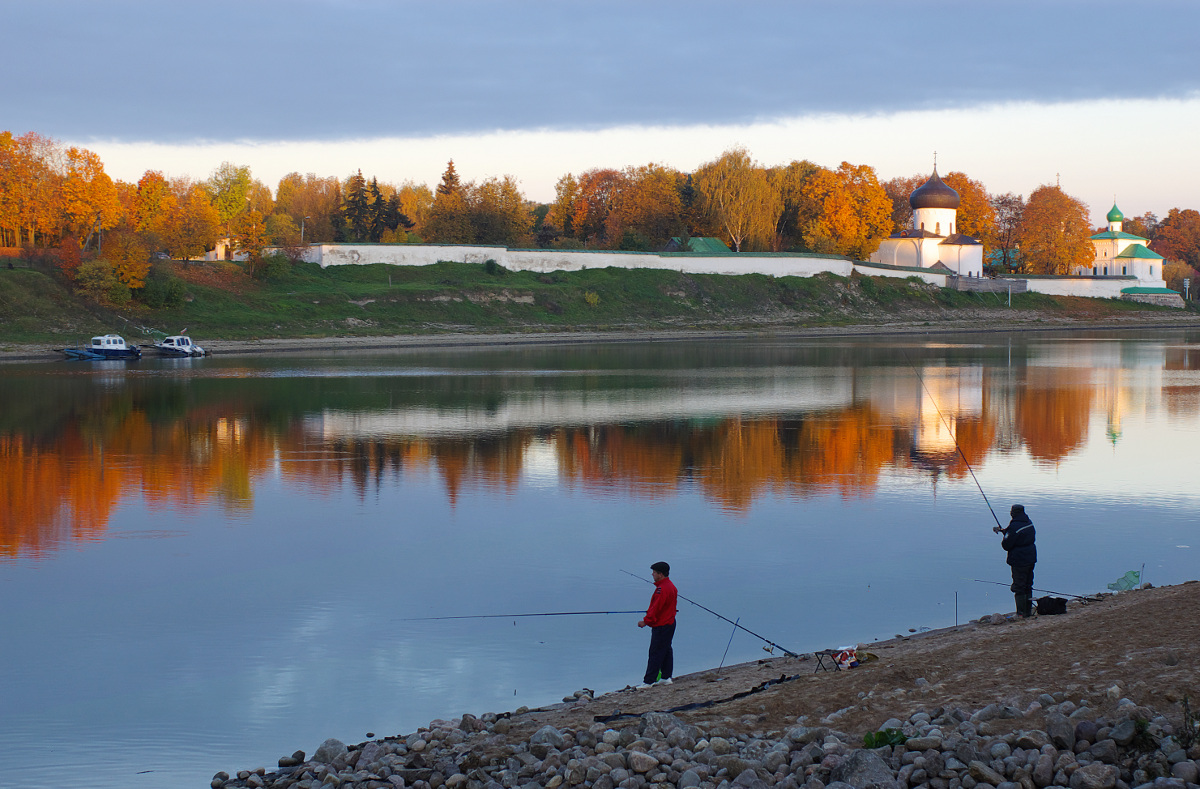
(1104, 743)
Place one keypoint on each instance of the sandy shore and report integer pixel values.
(465, 340)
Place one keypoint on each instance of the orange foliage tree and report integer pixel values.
(1054, 232)
(976, 215)
(846, 211)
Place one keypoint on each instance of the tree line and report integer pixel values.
(109, 232)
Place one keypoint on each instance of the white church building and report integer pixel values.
(1120, 254)
(932, 241)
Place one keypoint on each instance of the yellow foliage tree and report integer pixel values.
(128, 256)
(738, 195)
(649, 206)
(192, 226)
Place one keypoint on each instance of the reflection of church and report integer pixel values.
(932, 242)
(946, 400)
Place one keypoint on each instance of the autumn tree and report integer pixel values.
(845, 211)
(30, 172)
(88, 199)
(312, 203)
(598, 190)
(737, 194)
(899, 190)
(499, 213)
(1008, 209)
(192, 226)
(1054, 232)
(250, 236)
(282, 230)
(976, 216)
(647, 213)
(450, 217)
(414, 202)
(229, 190)
(562, 211)
(1145, 225)
(152, 203)
(128, 256)
(1179, 236)
(788, 183)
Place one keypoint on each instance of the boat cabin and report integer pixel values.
(109, 342)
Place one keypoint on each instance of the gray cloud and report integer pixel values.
(328, 70)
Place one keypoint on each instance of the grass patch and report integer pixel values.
(222, 302)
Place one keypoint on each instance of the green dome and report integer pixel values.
(1115, 214)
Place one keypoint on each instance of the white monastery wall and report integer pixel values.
(1091, 287)
(549, 260)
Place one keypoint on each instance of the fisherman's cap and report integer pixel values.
(661, 567)
(1018, 509)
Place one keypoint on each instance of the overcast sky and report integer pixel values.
(1104, 96)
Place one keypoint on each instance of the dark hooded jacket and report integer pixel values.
(1018, 541)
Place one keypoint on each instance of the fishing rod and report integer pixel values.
(954, 438)
(514, 616)
(785, 651)
(1047, 591)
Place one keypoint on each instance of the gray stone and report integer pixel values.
(689, 779)
(1086, 730)
(1104, 751)
(1043, 771)
(548, 735)
(330, 750)
(861, 769)
(1033, 740)
(984, 773)
(1061, 731)
(923, 743)
(802, 735)
(1186, 771)
(1095, 776)
(219, 780)
(748, 779)
(721, 746)
(642, 762)
(1124, 732)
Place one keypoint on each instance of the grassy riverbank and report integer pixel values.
(222, 303)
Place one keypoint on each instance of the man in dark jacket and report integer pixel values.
(1022, 556)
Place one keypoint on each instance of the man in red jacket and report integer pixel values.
(660, 618)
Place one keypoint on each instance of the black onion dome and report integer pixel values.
(934, 194)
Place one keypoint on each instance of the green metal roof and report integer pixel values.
(1110, 234)
(1144, 291)
(1115, 214)
(1139, 251)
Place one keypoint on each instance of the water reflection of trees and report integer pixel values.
(63, 476)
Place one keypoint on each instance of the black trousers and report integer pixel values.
(1022, 588)
(662, 657)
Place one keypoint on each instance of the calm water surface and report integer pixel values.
(207, 564)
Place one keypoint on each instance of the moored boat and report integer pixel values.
(105, 346)
(178, 345)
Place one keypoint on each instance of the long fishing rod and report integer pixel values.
(514, 616)
(1047, 591)
(954, 438)
(785, 650)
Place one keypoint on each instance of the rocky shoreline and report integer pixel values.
(1120, 721)
(1053, 742)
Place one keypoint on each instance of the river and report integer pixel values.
(208, 564)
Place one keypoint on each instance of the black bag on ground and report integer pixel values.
(1051, 605)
